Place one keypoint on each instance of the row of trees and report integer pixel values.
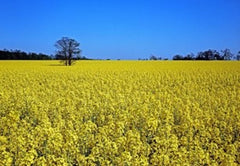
(209, 55)
(203, 55)
(21, 55)
(68, 51)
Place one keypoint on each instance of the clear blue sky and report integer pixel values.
(125, 29)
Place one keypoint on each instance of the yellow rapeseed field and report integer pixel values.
(120, 113)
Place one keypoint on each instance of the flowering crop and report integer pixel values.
(119, 113)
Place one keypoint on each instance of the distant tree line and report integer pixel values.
(209, 55)
(21, 55)
(203, 55)
(152, 58)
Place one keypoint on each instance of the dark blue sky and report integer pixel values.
(125, 29)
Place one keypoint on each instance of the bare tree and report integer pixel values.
(67, 50)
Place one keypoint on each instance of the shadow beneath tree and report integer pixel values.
(56, 65)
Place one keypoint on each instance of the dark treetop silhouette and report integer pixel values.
(21, 55)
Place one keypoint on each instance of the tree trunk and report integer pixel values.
(69, 58)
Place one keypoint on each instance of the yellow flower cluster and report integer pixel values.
(120, 113)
